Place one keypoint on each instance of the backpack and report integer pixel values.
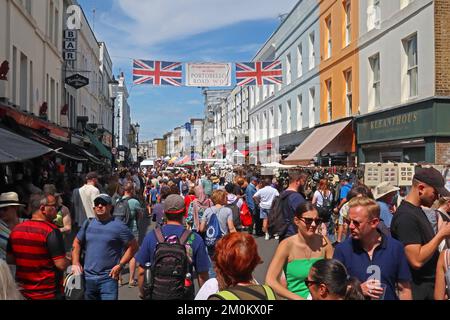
(245, 293)
(326, 209)
(190, 215)
(277, 220)
(236, 213)
(246, 216)
(169, 268)
(213, 232)
(122, 210)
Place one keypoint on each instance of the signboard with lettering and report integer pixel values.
(70, 45)
(208, 74)
(77, 81)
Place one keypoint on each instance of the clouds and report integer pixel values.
(155, 21)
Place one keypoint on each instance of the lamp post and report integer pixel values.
(137, 126)
(113, 87)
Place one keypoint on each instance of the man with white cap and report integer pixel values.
(384, 194)
(9, 207)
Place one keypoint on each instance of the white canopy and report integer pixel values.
(277, 165)
(147, 163)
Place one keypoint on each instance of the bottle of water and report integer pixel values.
(147, 280)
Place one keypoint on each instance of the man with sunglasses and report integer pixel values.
(374, 258)
(411, 226)
(109, 245)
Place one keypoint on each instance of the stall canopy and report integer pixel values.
(17, 148)
(100, 147)
(147, 162)
(277, 165)
(318, 140)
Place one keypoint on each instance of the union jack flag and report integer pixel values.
(259, 73)
(157, 72)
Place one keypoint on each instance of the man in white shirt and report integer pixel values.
(88, 193)
(265, 197)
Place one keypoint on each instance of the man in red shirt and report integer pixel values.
(36, 247)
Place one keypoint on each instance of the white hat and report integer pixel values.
(9, 199)
(383, 189)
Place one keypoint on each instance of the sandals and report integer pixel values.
(132, 284)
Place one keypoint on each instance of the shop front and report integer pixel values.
(412, 133)
(289, 142)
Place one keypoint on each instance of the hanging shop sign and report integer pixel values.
(77, 81)
(70, 45)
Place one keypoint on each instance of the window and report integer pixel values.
(348, 22)
(329, 45)
(312, 55)
(288, 69)
(14, 75)
(374, 95)
(23, 82)
(288, 117)
(31, 88)
(50, 26)
(312, 109)
(271, 123)
(300, 60)
(329, 100)
(348, 92)
(410, 45)
(373, 14)
(299, 112)
(56, 32)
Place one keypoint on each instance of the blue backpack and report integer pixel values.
(213, 233)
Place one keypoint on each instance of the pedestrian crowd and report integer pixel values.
(190, 234)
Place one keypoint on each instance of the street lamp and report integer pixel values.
(113, 86)
(137, 126)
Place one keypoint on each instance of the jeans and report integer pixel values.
(101, 289)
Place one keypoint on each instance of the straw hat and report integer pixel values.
(9, 199)
(383, 189)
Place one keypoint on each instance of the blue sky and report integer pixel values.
(179, 30)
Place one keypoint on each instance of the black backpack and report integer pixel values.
(169, 268)
(326, 209)
(236, 213)
(122, 210)
(278, 223)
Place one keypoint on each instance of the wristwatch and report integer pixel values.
(121, 265)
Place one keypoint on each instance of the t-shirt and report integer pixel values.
(249, 193)
(385, 213)
(197, 250)
(208, 288)
(411, 226)
(388, 259)
(223, 215)
(4, 236)
(88, 193)
(105, 243)
(153, 194)
(135, 208)
(158, 212)
(344, 191)
(295, 199)
(267, 194)
(35, 246)
(207, 186)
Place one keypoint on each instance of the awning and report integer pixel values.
(100, 146)
(67, 154)
(316, 142)
(17, 148)
(92, 158)
(147, 162)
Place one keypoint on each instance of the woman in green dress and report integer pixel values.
(295, 255)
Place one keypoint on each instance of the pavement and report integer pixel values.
(266, 249)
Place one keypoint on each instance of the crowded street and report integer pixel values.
(200, 151)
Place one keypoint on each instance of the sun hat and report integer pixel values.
(9, 199)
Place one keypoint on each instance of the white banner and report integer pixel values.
(208, 74)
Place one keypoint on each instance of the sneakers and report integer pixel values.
(277, 237)
(267, 237)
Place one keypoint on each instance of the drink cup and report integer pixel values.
(382, 286)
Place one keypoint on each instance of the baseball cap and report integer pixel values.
(174, 204)
(433, 178)
(103, 197)
(254, 179)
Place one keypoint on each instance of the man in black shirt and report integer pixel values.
(411, 226)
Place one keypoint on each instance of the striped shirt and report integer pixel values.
(4, 236)
(35, 245)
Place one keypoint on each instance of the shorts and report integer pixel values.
(264, 213)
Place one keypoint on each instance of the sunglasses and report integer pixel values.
(309, 283)
(98, 203)
(309, 221)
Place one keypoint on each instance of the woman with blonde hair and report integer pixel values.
(8, 287)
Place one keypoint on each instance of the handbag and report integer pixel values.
(74, 286)
(246, 216)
